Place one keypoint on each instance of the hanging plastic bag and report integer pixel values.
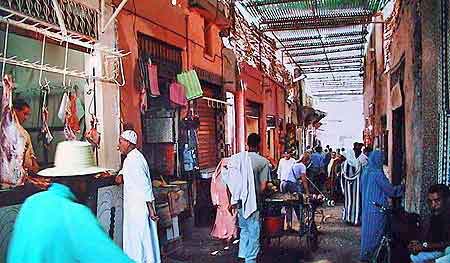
(177, 94)
(191, 84)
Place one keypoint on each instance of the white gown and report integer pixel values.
(140, 234)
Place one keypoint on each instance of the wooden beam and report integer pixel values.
(319, 52)
(364, 15)
(359, 69)
(310, 45)
(306, 61)
(329, 36)
(341, 78)
(299, 23)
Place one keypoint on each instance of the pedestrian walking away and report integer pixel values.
(247, 177)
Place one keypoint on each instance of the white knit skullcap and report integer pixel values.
(130, 136)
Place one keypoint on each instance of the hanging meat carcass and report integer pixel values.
(45, 135)
(93, 136)
(12, 144)
(71, 123)
(72, 117)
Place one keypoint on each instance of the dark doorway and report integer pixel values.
(398, 124)
(399, 146)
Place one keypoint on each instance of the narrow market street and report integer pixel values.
(339, 243)
(176, 131)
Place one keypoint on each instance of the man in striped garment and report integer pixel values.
(352, 169)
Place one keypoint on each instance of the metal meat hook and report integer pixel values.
(42, 61)
(5, 49)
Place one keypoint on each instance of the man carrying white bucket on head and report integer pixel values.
(140, 234)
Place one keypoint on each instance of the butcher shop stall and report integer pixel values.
(52, 59)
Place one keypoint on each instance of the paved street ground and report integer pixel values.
(338, 243)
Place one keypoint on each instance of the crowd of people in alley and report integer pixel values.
(354, 177)
(357, 178)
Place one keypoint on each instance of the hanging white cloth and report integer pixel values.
(140, 234)
(62, 107)
(241, 182)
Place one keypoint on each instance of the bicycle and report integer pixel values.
(382, 253)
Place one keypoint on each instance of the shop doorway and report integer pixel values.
(160, 120)
(252, 113)
(399, 146)
(252, 123)
(398, 124)
(207, 132)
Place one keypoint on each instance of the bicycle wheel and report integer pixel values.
(382, 253)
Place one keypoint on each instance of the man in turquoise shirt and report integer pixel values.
(53, 227)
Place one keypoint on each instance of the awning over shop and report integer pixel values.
(309, 115)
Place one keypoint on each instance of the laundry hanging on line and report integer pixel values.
(153, 80)
(191, 84)
(148, 78)
(177, 94)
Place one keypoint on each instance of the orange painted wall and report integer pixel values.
(252, 77)
(274, 103)
(270, 96)
(160, 20)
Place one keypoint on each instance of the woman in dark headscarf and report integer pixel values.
(375, 188)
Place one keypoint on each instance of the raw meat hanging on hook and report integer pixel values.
(71, 122)
(12, 144)
(143, 103)
(93, 136)
(71, 111)
(46, 135)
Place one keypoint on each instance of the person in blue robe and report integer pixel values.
(375, 188)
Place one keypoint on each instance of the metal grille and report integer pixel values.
(158, 126)
(77, 17)
(160, 52)
(444, 117)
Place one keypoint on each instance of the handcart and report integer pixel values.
(308, 204)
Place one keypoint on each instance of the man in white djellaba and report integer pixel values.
(140, 234)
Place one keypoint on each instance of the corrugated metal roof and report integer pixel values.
(320, 36)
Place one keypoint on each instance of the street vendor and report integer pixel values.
(22, 112)
(296, 182)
